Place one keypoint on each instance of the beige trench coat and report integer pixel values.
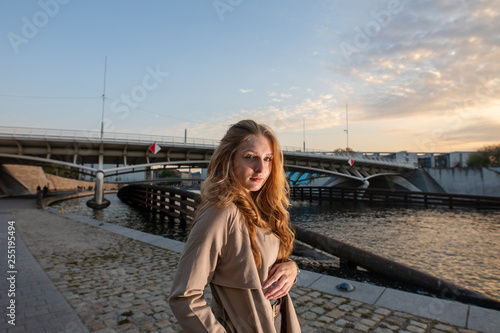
(218, 253)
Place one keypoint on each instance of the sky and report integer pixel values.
(399, 75)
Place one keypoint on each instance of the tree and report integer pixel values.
(61, 170)
(344, 151)
(168, 174)
(488, 156)
(478, 160)
(492, 152)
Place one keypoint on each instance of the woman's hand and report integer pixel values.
(283, 276)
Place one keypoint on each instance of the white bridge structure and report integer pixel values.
(82, 150)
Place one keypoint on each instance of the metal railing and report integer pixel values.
(95, 136)
(171, 201)
(426, 199)
(182, 204)
(356, 157)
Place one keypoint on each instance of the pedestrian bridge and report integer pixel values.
(88, 152)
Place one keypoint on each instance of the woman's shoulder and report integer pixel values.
(213, 209)
(222, 215)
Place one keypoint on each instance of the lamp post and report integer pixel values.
(347, 127)
(304, 133)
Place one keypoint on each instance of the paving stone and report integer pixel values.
(368, 322)
(346, 307)
(325, 319)
(416, 329)
(309, 315)
(443, 327)
(383, 311)
(418, 324)
(335, 314)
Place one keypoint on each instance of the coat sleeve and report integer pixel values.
(196, 269)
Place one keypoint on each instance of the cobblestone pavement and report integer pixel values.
(116, 284)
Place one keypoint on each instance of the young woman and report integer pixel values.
(240, 241)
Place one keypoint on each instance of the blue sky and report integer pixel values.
(417, 75)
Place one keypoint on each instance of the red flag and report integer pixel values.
(155, 148)
(351, 162)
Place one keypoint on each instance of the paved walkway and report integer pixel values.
(90, 276)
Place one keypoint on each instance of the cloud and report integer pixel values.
(245, 91)
(319, 113)
(432, 57)
(466, 130)
(476, 132)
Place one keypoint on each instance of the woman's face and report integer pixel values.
(253, 162)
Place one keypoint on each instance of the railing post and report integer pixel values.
(183, 207)
(171, 203)
(163, 199)
(149, 200)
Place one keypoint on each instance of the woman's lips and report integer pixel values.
(256, 179)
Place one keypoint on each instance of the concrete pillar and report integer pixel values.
(366, 183)
(99, 202)
(99, 188)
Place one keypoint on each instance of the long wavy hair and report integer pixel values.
(265, 208)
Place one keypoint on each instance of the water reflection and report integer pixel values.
(460, 246)
(126, 216)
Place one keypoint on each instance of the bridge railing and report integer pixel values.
(182, 204)
(95, 136)
(426, 199)
(357, 157)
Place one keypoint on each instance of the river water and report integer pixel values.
(460, 246)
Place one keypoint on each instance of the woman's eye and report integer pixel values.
(249, 156)
(268, 159)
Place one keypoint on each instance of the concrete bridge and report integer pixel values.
(129, 152)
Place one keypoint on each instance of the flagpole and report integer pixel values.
(104, 96)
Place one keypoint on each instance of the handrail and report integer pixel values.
(143, 195)
(426, 199)
(168, 200)
(391, 269)
(95, 136)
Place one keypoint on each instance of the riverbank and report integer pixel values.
(117, 279)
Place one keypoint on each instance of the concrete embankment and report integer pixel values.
(25, 179)
(475, 181)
